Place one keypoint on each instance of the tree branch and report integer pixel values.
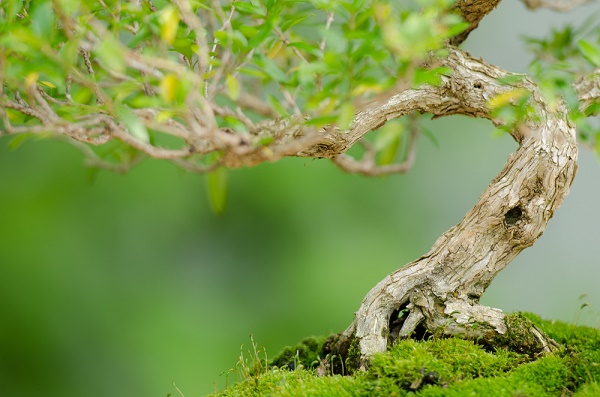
(555, 5)
(440, 291)
(588, 89)
(473, 12)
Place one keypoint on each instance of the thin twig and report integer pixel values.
(226, 26)
(88, 64)
(368, 165)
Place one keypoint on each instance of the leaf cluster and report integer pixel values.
(567, 59)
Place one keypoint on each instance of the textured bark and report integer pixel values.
(473, 12)
(439, 292)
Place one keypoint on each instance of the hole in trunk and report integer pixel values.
(397, 320)
(513, 215)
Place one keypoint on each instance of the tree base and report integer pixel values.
(459, 367)
(521, 336)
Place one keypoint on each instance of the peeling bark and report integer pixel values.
(439, 292)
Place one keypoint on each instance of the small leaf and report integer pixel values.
(169, 19)
(216, 183)
(233, 87)
(287, 24)
(429, 76)
(165, 115)
(510, 79)
(271, 69)
(134, 125)
(592, 110)
(458, 28)
(42, 19)
(265, 141)
(321, 121)
(247, 8)
(30, 79)
(275, 49)
(265, 30)
(506, 98)
(310, 48)
(589, 52)
(169, 86)
(388, 142)
(17, 141)
(47, 84)
(346, 116)
(276, 103)
(110, 54)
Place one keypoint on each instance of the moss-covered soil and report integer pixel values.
(435, 367)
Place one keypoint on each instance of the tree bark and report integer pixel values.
(439, 292)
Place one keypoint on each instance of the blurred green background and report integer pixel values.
(128, 284)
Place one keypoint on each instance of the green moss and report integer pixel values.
(518, 337)
(308, 353)
(445, 367)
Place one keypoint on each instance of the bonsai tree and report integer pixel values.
(211, 86)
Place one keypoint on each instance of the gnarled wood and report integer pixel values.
(440, 291)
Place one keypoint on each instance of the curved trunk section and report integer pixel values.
(439, 292)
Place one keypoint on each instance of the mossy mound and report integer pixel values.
(439, 367)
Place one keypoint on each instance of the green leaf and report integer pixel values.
(13, 8)
(134, 125)
(233, 87)
(510, 79)
(289, 23)
(216, 183)
(388, 142)
(17, 141)
(109, 52)
(589, 52)
(265, 30)
(346, 116)
(169, 19)
(247, 8)
(69, 52)
(430, 135)
(321, 121)
(429, 76)
(271, 69)
(265, 141)
(310, 48)
(42, 19)
(592, 110)
(276, 103)
(458, 28)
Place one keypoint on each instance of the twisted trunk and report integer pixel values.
(439, 292)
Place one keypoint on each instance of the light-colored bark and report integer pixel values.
(440, 291)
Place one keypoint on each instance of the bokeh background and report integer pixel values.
(127, 285)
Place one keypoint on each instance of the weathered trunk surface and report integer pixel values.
(439, 292)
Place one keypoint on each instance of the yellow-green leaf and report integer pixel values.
(590, 52)
(506, 98)
(110, 53)
(216, 183)
(388, 142)
(169, 19)
(346, 116)
(233, 87)
(48, 84)
(169, 86)
(134, 125)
